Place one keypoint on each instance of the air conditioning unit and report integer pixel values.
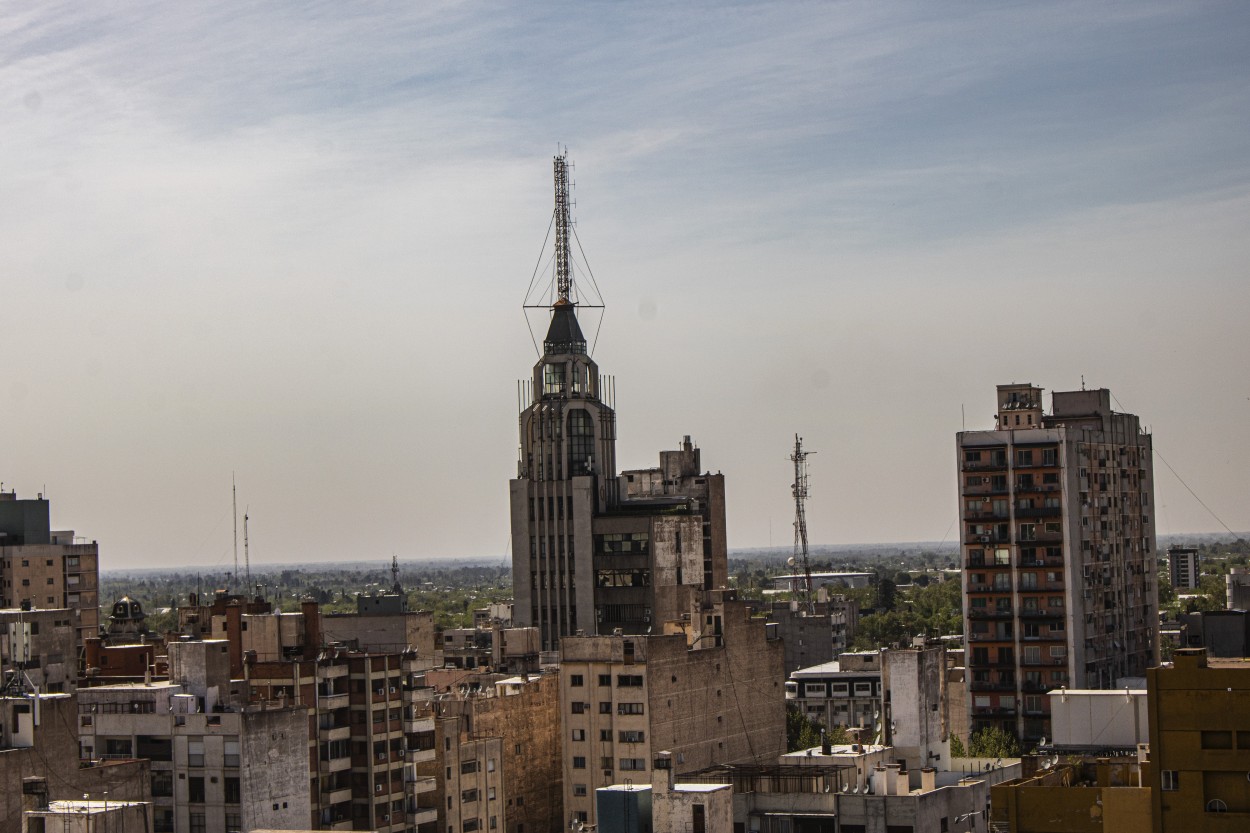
(377, 788)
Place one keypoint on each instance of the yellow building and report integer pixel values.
(1200, 743)
(1094, 795)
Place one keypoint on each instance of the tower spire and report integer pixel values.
(564, 259)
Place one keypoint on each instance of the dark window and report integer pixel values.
(195, 790)
(581, 442)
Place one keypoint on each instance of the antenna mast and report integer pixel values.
(800, 516)
(564, 258)
(247, 558)
(234, 502)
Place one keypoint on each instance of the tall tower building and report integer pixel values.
(1059, 575)
(594, 551)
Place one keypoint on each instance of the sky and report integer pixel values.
(289, 243)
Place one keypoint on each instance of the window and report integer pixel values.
(579, 790)
(579, 762)
(579, 734)
(605, 735)
(467, 796)
(233, 792)
(605, 708)
(468, 767)
(580, 708)
(634, 680)
(629, 708)
(231, 753)
(198, 824)
(195, 790)
(162, 783)
(195, 752)
(1217, 740)
(631, 737)
(576, 680)
(234, 823)
(1024, 457)
(633, 764)
(470, 825)
(581, 442)
(605, 679)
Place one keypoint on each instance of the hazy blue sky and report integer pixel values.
(291, 240)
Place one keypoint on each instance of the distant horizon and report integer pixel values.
(814, 550)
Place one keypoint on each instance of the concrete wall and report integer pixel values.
(275, 743)
(528, 724)
(673, 810)
(1083, 717)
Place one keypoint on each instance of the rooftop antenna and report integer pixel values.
(799, 488)
(247, 558)
(564, 255)
(395, 574)
(563, 290)
(234, 502)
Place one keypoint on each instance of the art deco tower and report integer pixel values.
(567, 462)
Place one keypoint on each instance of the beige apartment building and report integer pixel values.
(1059, 562)
(709, 690)
(45, 568)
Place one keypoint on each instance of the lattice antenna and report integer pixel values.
(800, 517)
(564, 255)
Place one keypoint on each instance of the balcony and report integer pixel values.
(994, 711)
(335, 765)
(418, 725)
(419, 756)
(330, 702)
(422, 784)
(1041, 614)
(422, 815)
(337, 796)
(1039, 512)
(986, 465)
(984, 686)
(991, 538)
(989, 613)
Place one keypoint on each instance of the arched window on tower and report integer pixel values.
(581, 443)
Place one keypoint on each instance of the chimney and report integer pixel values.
(928, 779)
(663, 766)
(826, 748)
(34, 793)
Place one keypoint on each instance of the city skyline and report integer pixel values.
(292, 244)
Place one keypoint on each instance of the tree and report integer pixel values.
(957, 747)
(993, 742)
(804, 733)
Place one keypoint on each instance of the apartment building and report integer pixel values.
(523, 712)
(1059, 575)
(1183, 568)
(45, 568)
(203, 739)
(817, 636)
(708, 690)
(39, 736)
(844, 692)
(370, 730)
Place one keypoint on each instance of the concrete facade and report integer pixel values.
(709, 692)
(1090, 796)
(817, 637)
(38, 734)
(1199, 743)
(915, 707)
(201, 739)
(42, 645)
(1098, 719)
(45, 568)
(1059, 557)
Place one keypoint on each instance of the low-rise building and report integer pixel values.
(844, 692)
(1080, 795)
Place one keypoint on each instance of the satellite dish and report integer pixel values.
(1041, 742)
(790, 561)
